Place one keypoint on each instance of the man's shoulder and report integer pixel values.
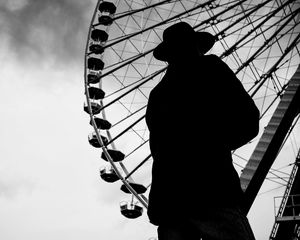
(211, 57)
(217, 62)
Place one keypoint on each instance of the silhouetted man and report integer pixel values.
(196, 115)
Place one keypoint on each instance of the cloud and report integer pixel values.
(48, 30)
(14, 5)
(10, 189)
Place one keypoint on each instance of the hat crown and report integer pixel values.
(181, 39)
(178, 32)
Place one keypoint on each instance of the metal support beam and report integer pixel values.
(270, 142)
(288, 218)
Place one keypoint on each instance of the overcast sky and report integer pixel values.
(49, 182)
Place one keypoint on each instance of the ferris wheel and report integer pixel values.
(259, 40)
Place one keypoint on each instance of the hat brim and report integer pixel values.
(203, 40)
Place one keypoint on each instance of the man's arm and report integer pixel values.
(240, 114)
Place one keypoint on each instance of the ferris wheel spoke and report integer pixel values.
(137, 148)
(131, 12)
(257, 39)
(274, 67)
(158, 24)
(210, 20)
(232, 24)
(126, 130)
(130, 115)
(266, 45)
(132, 89)
(234, 47)
(277, 182)
(138, 166)
(125, 63)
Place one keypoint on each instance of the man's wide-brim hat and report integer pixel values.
(182, 35)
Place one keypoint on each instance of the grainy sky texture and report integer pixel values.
(50, 187)
(49, 182)
(45, 30)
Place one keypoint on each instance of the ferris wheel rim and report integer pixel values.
(104, 149)
(123, 179)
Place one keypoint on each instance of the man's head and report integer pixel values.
(180, 41)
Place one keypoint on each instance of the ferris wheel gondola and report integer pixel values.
(258, 39)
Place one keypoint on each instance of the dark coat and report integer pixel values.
(196, 115)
